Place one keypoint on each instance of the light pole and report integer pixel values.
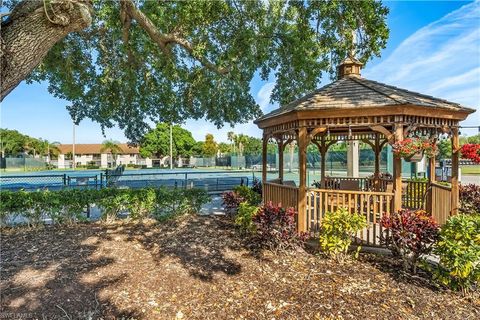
(171, 147)
(73, 147)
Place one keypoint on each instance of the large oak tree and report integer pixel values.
(128, 62)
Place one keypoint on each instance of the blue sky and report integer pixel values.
(434, 48)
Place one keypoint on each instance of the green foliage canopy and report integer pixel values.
(210, 146)
(172, 60)
(157, 141)
(13, 142)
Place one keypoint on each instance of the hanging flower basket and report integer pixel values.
(413, 149)
(416, 157)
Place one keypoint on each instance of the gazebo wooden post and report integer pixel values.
(280, 159)
(264, 158)
(397, 172)
(377, 163)
(454, 181)
(431, 170)
(431, 179)
(323, 153)
(302, 188)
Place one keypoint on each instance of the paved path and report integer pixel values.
(214, 206)
(466, 179)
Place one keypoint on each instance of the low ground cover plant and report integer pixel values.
(69, 205)
(243, 219)
(458, 249)
(337, 231)
(269, 225)
(470, 199)
(231, 202)
(275, 228)
(409, 235)
(248, 194)
(240, 194)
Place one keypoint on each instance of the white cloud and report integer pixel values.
(442, 59)
(263, 95)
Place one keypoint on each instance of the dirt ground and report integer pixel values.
(200, 268)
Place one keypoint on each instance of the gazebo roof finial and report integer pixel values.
(349, 67)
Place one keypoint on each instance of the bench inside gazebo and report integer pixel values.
(356, 109)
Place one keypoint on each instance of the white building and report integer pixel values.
(91, 154)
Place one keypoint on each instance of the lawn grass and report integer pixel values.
(473, 170)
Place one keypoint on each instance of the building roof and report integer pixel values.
(351, 92)
(95, 148)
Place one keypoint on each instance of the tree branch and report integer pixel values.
(162, 40)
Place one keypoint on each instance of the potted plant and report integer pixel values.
(413, 149)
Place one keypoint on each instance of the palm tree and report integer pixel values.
(48, 149)
(31, 146)
(112, 147)
(52, 149)
(241, 140)
(231, 137)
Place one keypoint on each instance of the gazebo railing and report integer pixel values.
(372, 205)
(413, 193)
(279, 193)
(414, 196)
(440, 202)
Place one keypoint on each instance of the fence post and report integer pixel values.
(186, 180)
(101, 180)
(64, 179)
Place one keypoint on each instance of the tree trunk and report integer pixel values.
(31, 30)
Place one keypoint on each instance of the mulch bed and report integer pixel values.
(201, 268)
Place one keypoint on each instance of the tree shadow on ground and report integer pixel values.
(394, 268)
(195, 242)
(81, 271)
(46, 273)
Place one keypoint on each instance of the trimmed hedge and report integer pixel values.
(68, 206)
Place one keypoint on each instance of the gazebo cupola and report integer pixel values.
(350, 67)
(353, 108)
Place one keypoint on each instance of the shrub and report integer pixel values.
(248, 195)
(12, 203)
(195, 199)
(276, 228)
(337, 231)
(141, 202)
(471, 151)
(112, 202)
(174, 202)
(409, 235)
(231, 201)
(68, 206)
(470, 199)
(243, 219)
(459, 251)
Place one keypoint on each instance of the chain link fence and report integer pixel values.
(22, 164)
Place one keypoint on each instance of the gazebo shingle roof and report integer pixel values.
(357, 92)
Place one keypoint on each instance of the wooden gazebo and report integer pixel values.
(355, 108)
